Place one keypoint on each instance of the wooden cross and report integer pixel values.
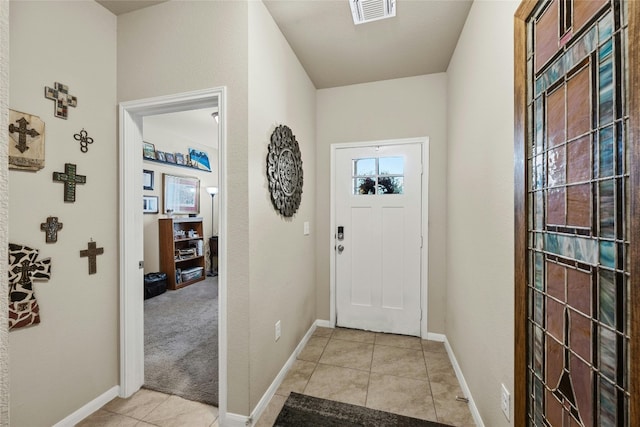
(70, 179)
(22, 131)
(92, 252)
(60, 94)
(51, 228)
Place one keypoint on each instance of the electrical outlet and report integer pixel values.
(505, 401)
(306, 228)
(278, 330)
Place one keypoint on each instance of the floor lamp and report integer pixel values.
(213, 240)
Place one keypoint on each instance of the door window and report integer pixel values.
(379, 175)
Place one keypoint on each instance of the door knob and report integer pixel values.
(340, 249)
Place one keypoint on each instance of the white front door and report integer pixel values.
(378, 202)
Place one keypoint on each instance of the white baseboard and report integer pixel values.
(463, 383)
(324, 324)
(234, 420)
(436, 337)
(89, 408)
(271, 391)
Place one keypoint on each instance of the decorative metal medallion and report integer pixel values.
(284, 170)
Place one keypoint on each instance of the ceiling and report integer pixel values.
(195, 125)
(335, 52)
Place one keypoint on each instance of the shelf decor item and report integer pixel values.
(60, 94)
(148, 150)
(199, 159)
(181, 194)
(26, 146)
(23, 270)
(284, 171)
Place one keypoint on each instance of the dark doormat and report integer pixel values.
(307, 411)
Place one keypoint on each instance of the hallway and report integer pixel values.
(393, 373)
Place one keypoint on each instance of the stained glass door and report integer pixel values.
(577, 195)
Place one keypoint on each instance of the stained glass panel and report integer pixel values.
(579, 204)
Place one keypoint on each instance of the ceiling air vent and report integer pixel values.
(372, 10)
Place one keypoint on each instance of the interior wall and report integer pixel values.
(282, 257)
(391, 109)
(4, 214)
(74, 348)
(181, 46)
(480, 235)
(171, 141)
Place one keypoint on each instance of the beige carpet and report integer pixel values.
(181, 342)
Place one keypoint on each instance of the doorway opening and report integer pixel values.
(132, 115)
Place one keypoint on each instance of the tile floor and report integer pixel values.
(150, 408)
(393, 373)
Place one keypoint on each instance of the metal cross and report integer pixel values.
(60, 94)
(92, 252)
(84, 139)
(25, 269)
(22, 131)
(51, 228)
(70, 179)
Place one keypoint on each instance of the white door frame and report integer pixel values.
(131, 236)
(424, 282)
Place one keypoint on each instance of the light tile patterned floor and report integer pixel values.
(150, 408)
(404, 375)
(393, 373)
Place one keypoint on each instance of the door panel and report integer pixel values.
(378, 199)
(577, 238)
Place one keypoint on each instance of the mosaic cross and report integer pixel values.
(23, 270)
(92, 252)
(51, 228)
(22, 132)
(60, 94)
(70, 179)
(84, 139)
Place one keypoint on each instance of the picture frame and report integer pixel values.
(147, 179)
(180, 159)
(150, 204)
(199, 159)
(148, 150)
(160, 155)
(170, 157)
(181, 194)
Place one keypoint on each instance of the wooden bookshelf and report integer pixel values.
(181, 249)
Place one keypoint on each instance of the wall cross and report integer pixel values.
(92, 252)
(60, 94)
(70, 179)
(22, 132)
(51, 228)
